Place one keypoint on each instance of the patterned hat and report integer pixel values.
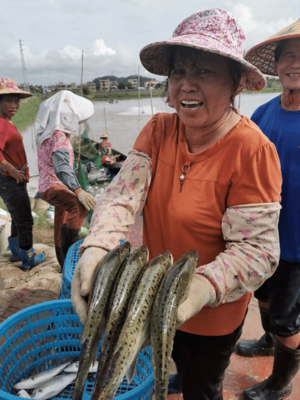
(262, 55)
(216, 31)
(9, 86)
(104, 159)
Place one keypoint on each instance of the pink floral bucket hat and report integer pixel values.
(214, 30)
(9, 86)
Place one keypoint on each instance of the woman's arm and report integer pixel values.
(121, 204)
(252, 251)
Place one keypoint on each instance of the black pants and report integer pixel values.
(204, 360)
(282, 292)
(17, 201)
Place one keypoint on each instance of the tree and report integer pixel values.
(129, 85)
(86, 90)
(122, 85)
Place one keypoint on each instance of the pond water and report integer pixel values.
(124, 120)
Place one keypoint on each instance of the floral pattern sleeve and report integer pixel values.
(121, 204)
(252, 251)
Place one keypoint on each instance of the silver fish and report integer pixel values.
(105, 275)
(136, 328)
(36, 380)
(23, 393)
(127, 282)
(171, 294)
(54, 386)
(74, 366)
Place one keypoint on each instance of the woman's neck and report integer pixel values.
(201, 140)
(290, 100)
(6, 117)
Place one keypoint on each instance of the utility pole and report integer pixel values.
(26, 86)
(81, 91)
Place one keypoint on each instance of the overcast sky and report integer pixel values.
(111, 33)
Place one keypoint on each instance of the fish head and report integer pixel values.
(167, 259)
(144, 253)
(192, 255)
(124, 250)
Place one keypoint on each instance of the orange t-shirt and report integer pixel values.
(240, 168)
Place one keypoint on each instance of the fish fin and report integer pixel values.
(131, 370)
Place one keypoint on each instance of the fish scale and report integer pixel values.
(172, 292)
(122, 295)
(96, 318)
(136, 327)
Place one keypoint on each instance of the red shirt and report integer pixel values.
(11, 147)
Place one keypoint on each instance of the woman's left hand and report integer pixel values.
(200, 293)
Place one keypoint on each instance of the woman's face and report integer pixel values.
(288, 65)
(200, 87)
(8, 107)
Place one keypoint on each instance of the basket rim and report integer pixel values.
(61, 303)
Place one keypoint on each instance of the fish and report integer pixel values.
(122, 295)
(51, 388)
(136, 328)
(172, 292)
(105, 275)
(35, 380)
(74, 366)
(23, 393)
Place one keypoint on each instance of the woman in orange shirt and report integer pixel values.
(206, 178)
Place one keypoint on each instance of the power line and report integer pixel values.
(10, 34)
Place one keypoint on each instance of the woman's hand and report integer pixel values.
(86, 199)
(200, 293)
(17, 174)
(82, 281)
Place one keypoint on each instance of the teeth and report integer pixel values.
(190, 102)
(294, 75)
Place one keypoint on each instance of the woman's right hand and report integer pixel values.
(17, 174)
(82, 281)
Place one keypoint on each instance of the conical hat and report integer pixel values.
(262, 55)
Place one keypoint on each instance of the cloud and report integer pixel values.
(257, 30)
(99, 48)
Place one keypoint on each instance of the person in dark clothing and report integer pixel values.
(278, 297)
(112, 166)
(14, 176)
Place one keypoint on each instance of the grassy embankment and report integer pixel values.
(27, 112)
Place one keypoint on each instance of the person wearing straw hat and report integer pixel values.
(206, 178)
(105, 146)
(278, 297)
(58, 118)
(14, 176)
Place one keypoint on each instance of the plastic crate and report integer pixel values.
(70, 263)
(46, 335)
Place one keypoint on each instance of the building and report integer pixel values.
(153, 83)
(91, 86)
(134, 82)
(104, 84)
(61, 86)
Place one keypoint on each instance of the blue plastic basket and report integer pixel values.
(70, 263)
(47, 335)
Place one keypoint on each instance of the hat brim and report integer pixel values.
(263, 55)
(22, 93)
(154, 58)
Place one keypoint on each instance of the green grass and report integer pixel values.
(265, 90)
(27, 112)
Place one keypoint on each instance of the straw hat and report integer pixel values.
(262, 55)
(104, 136)
(216, 31)
(9, 86)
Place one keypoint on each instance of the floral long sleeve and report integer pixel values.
(252, 251)
(121, 203)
